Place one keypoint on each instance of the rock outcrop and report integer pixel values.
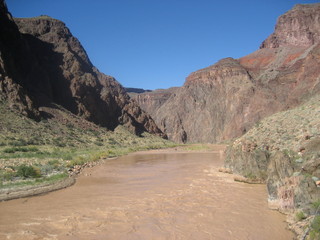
(150, 101)
(43, 64)
(297, 27)
(225, 100)
(283, 150)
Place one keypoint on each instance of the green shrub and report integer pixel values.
(6, 175)
(251, 175)
(291, 154)
(79, 160)
(98, 143)
(9, 150)
(112, 141)
(19, 142)
(59, 142)
(20, 149)
(300, 216)
(316, 205)
(315, 228)
(35, 141)
(316, 224)
(94, 132)
(53, 162)
(28, 171)
(69, 125)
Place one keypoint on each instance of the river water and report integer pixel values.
(155, 195)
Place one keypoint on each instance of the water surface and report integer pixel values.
(148, 196)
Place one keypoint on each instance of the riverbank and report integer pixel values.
(77, 170)
(159, 194)
(38, 160)
(32, 188)
(28, 191)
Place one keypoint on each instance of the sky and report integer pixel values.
(155, 44)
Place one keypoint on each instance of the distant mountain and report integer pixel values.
(42, 65)
(225, 100)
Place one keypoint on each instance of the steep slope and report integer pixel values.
(212, 101)
(42, 59)
(225, 100)
(12, 71)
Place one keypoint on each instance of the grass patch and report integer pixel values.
(300, 216)
(316, 205)
(250, 175)
(35, 182)
(25, 171)
(32, 151)
(20, 149)
(315, 229)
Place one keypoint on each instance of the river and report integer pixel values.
(149, 195)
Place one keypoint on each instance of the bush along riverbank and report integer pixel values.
(50, 167)
(283, 151)
(36, 154)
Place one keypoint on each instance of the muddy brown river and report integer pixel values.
(154, 195)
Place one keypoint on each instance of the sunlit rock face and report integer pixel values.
(298, 27)
(225, 100)
(283, 149)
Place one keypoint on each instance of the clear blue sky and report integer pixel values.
(157, 43)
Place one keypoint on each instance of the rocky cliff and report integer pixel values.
(43, 64)
(297, 27)
(283, 149)
(150, 101)
(225, 100)
(13, 49)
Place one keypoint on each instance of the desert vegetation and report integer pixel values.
(36, 152)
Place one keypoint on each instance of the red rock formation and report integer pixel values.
(224, 100)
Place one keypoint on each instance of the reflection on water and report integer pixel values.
(148, 196)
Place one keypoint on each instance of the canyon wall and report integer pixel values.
(42, 65)
(225, 100)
